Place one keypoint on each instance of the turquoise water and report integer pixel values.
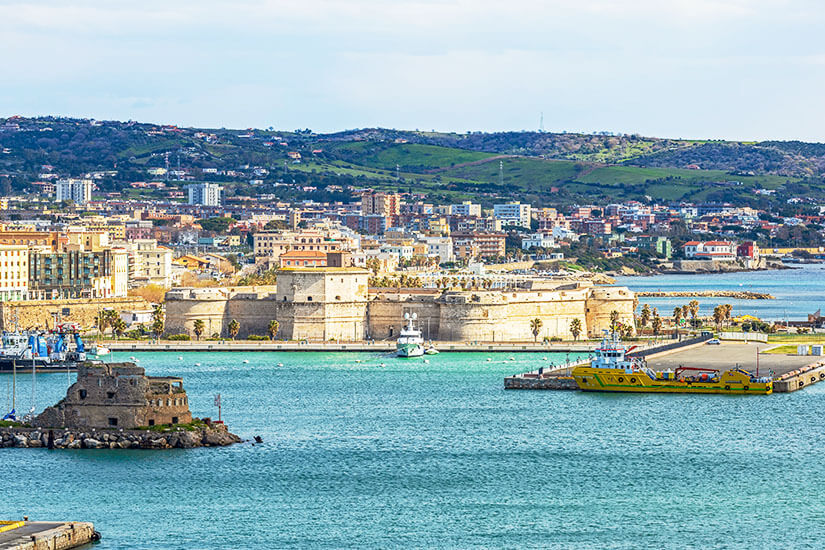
(798, 292)
(439, 455)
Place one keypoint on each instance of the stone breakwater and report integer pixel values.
(736, 294)
(214, 436)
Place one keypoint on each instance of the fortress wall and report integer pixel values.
(388, 313)
(505, 321)
(452, 316)
(181, 315)
(253, 313)
(38, 313)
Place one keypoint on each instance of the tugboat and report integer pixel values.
(612, 370)
(410, 343)
(43, 351)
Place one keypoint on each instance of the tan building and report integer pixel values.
(14, 272)
(383, 204)
(274, 243)
(480, 245)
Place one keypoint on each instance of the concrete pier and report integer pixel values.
(45, 535)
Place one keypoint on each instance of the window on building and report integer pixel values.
(82, 394)
(151, 421)
(174, 420)
(112, 421)
(110, 394)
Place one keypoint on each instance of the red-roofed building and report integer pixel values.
(303, 258)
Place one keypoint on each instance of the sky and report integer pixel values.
(703, 69)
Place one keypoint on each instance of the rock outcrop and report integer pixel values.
(212, 435)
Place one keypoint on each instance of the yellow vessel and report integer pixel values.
(612, 370)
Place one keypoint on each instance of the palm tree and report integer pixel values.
(273, 329)
(677, 316)
(728, 310)
(718, 316)
(233, 328)
(535, 328)
(657, 324)
(645, 316)
(576, 328)
(614, 320)
(197, 328)
(693, 307)
(119, 327)
(158, 320)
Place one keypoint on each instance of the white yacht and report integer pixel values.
(410, 342)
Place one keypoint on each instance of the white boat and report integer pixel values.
(99, 350)
(410, 343)
(431, 351)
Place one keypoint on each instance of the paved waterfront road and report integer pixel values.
(730, 354)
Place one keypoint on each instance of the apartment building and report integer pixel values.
(14, 272)
(78, 191)
(480, 245)
(205, 194)
(513, 213)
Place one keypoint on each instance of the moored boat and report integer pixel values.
(410, 342)
(613, 370)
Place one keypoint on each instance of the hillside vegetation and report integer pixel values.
(544, 168)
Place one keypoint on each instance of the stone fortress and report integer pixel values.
(336, 304)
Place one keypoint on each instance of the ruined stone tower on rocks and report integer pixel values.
(118, 395)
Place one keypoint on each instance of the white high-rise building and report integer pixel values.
(466, 208)
(76, 190)
(513, 213)
(205, 194)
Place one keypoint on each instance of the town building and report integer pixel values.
(466, 208)
(78, 191)
(513, 213)
(205, 194)
(14, 272)
(478, 245)
(710, 250)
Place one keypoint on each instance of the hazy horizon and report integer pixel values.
(704, 69)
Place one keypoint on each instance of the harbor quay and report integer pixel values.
(46, 535)
(788, 372)
(380, 346)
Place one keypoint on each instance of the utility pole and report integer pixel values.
(501, 173)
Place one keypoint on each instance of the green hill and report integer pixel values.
(543, 168)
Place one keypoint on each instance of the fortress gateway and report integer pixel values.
(336, 304)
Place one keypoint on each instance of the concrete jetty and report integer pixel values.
(46, 535)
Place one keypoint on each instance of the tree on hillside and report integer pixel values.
(272, 329)
(198, 328)
(576, 328)
(219, 225)
(234, 328)
(535, 328)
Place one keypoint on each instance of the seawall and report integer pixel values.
(215, 435)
